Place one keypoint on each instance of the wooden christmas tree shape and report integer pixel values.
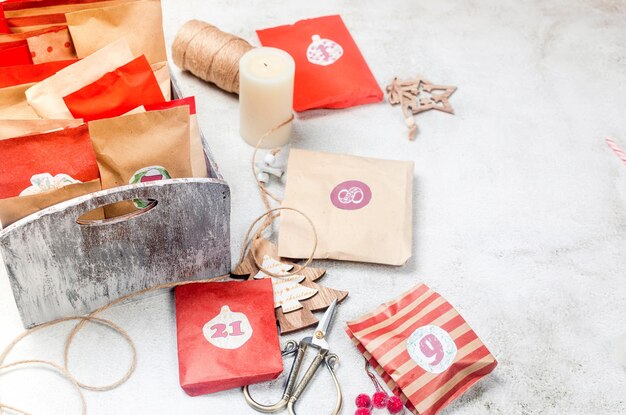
(301, 317)
(287, 290)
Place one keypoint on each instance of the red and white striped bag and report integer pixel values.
(422, 348)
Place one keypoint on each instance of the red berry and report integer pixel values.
(362, 411)
(363, 401)
(379, 399)
(394, 405)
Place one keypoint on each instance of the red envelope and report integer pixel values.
(66, 151)
(227, 335)
(190, 101)
(4, 26)
(25, 74)
(117, 92)
(422, 348)
(330, 70)
(15, 53)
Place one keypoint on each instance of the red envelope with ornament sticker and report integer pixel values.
(422, 348)
(330, 70)
(117, 92)
(227, 335)
(66, 152)
(25, 74)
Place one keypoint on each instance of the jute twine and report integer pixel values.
(63, 370)
(210, 54)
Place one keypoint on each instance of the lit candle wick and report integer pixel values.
(265, 64)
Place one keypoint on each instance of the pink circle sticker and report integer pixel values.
(351, 195)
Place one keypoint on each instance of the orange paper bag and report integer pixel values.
(227, 335)
(330, 70)
(117, 92)
(65, 152)
(422, 348)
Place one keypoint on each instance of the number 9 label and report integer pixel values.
(432, 348)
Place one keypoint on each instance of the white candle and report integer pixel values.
(265, 96)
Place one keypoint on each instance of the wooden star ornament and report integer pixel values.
(418, 95)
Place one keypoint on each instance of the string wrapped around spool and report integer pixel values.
(210, 54)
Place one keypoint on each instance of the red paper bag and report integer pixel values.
(4, 26)
(26, 74)
(117, 92)
(422, 348)
(68, 152)
(15, 53)
(330, 70)
(227, 335)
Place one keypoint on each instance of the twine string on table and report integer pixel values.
(269, 216)
(210, 54)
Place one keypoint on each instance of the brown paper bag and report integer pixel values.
(20, 127)
(361, 208)
(46, 97)
(13, 103)
(139, 148)
(16, 208)
(140, 22)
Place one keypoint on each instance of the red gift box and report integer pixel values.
(227, 335)
(330, 70)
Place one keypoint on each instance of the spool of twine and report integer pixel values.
(210, 54)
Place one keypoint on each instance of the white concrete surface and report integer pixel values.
(520, 213)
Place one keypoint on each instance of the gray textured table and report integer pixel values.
(520, 207)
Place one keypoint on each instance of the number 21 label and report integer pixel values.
(228, 330)
(432, 348)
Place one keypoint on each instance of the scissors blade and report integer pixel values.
(322, 328)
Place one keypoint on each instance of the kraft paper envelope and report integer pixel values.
(16, 208)
(361, 208)
(13, 103)
(141, 23)
(139, 148)
(46, 97)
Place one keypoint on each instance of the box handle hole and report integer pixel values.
(85, 218)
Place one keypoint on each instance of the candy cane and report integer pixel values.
(620, 153)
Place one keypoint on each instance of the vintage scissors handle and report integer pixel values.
(290, 397)
(330, 360)
(290, 348)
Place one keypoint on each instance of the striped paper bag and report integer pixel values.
(422, 348)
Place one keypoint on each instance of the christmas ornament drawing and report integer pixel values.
(323, 52)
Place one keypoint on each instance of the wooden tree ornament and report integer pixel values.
(418, 95)
(298, 317)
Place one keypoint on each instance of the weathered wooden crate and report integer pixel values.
(58, 267)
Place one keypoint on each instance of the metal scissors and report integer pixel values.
(330, 360)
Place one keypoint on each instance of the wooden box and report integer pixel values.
(58, 267)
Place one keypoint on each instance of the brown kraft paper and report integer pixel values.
(16, 208)
(150, 142)
(361, 208)
(141, 23)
